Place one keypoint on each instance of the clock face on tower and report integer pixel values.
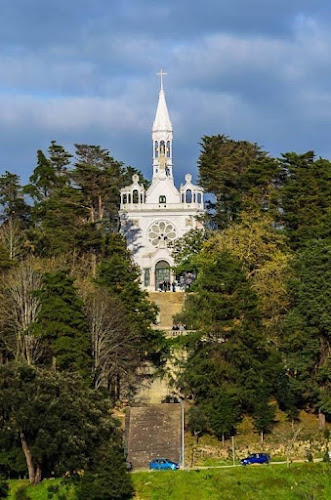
(160, 233)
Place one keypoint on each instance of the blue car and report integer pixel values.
(163, 464)
(256, 458)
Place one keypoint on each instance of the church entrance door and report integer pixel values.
(162, 273)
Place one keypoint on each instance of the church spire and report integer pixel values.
(162, 135)
(162, 121)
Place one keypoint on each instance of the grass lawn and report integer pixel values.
(46, 490)
(300, 481)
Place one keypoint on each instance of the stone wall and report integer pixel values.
(169, 304)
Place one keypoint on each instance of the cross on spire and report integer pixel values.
(161, 75)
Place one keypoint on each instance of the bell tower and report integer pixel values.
(162, 137)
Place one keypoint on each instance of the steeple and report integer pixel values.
(162, 136)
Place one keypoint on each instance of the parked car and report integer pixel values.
(163, 464)
(256, 458)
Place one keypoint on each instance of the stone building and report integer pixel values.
(151, 219)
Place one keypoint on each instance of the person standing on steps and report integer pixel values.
(165, 285)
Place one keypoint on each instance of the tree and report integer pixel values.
(20, 307)
(305, 197)
(264, 414)
(266, 261)
(59, 159)
(59, 420)
(115, 347)
(12, 198)
(306, 330)
(230, 362)
(106, 477)
(197, 423)
(99, 176)
(120, 277)
(11, 240)
(63, 325)
(43, 181)
(239, 174)
(57, 224)
(4, 488)
(186, 248)
(224, 412)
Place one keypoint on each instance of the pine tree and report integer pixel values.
(239, 174)
(63, 325)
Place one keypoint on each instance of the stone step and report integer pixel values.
(153, 431)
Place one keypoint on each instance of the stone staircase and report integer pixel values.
(153, 431)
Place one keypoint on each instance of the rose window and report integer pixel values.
(161, 233)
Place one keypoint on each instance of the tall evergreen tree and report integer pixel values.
(307, 328)
(239, 174)
(230, 363)
(12, 203)
(305, 197)
(63, 325)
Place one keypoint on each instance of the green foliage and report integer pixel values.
(224, 412)
(98, 177)
(63, 324)
(121, 277)
(307, 328)
(305, 197)
(230, 365)
(43, 180)
(21, 494)
(197, 422)
(11, 198)
(185, 250)
(239, 174)
(106, 478)
(62, 420)
(4, 488)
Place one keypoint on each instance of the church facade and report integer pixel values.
(152, 219)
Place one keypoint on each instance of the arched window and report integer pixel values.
(188, 196)
(156, 149)
(125, 199)
(199, 197)
(135, 196)
(162, 148)
(162, 199)
(168, 149)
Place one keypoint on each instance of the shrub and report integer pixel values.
(21, 494)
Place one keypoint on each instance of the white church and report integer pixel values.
(152, 219)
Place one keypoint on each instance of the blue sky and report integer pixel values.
(85, 71)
